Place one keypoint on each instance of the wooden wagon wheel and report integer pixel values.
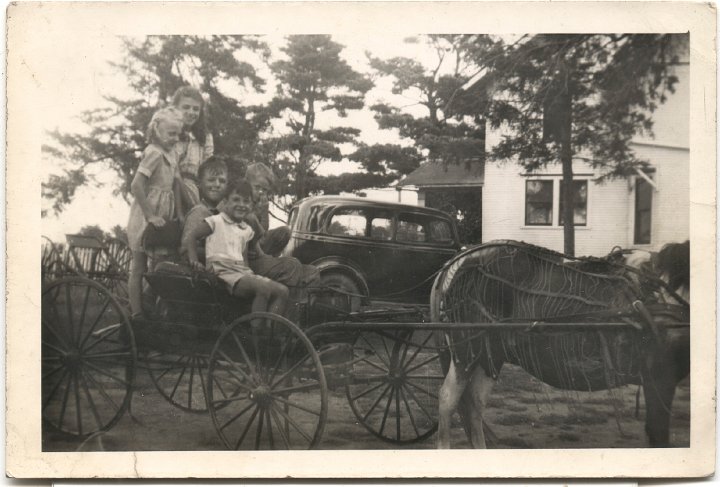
(396, 379)
(268, 376)
(50, 260)
(180, 379)
(119, 255)
(88, 357)
(115, 268)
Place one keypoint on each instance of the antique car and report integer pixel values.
(374, 249)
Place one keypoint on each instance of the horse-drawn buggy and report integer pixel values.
(263, 379)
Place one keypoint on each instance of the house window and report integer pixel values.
(643, 211)
(539, 202)
(579, 203)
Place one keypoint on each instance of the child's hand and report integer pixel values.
(156, 221)
(197, 266)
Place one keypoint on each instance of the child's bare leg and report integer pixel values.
(278, 298)
(137, 269)
(253, 287)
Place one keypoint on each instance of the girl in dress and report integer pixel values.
(156, 188)
(196, 143)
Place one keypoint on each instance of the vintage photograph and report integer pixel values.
(272, 241)
(307, 241)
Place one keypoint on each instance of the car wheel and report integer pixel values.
(339, 295)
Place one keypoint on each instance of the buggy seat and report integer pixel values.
(187, 296)
(179, 282)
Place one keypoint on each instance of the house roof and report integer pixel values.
(437, 174)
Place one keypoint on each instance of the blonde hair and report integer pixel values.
(260, 174)
(167, 114)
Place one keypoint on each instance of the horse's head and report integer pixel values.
(673, 266)
(670, 265)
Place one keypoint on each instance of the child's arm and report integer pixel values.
(253, 249)
(178, 194)
(139, 191)
(199, 232)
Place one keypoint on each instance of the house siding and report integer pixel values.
(611, 206)
(504, 211)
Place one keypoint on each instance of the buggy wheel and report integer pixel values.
(269, 381)
(119, 256)
(180, 379)
(88, 357)
(118, 287)
(50, 260)
(396, 379)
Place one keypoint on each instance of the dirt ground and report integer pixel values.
(523, 413)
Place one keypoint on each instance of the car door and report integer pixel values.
(424, 244)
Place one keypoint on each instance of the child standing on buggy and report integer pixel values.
(229, 235)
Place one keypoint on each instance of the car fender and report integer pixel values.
(346, 267)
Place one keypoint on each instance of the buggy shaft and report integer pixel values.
(335, 326)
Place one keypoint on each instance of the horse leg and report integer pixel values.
(450, 393)
(478, 393)
(659, 393)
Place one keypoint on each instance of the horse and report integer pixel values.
(519, 289)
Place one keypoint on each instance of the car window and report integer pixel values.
(423, 228)
(348, 222)
(293, 217)
(410, 231)
(440, 232)
(381, 228)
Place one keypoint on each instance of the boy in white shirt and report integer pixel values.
(228, 236)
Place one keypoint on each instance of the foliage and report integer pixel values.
(445, 133)
(95, 231)
(313, 80)
(155, 66)
(564, 97)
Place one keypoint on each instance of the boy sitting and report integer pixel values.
(228, 236)
(212, 186)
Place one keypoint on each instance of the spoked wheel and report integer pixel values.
(118, 287)
(119, 255)
(50, 260)
(88, 357)
(180, 379)
(114, 267)
(396, 379)
(269, 382)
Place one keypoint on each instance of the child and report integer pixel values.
(196, 143)
(229, 234)
(156, 191)
(212, 185)
(266, 260)
(263, 180)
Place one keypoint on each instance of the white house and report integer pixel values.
(644, 211)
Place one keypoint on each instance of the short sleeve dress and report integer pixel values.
(159, 166)
(190, 154)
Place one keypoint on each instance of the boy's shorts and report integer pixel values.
(230, 272)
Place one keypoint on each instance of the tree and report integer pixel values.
(313, 80)
(154, 68)
(565, 97)
(450, 131)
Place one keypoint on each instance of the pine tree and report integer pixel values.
(566, 97)
(314, 80)
(154, 68)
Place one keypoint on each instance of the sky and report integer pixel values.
(69, 92)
